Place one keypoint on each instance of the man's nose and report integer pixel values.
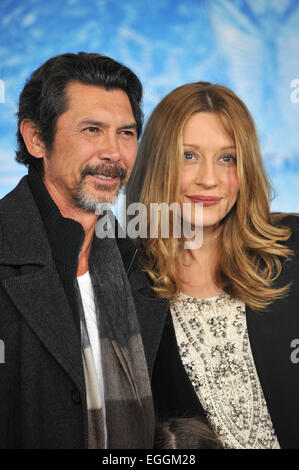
(207, 174)
(109, 148)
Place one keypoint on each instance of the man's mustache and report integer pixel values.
(112, 170)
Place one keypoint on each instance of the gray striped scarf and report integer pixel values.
(128, 400)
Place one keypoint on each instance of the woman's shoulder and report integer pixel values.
(291, 221)
(286, 219)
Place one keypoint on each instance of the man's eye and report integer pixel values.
(188, 155)
(127, 132)
(91, 129)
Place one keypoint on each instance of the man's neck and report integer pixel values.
(86, 219)
(85, 252)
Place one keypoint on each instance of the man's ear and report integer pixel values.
(31, 137)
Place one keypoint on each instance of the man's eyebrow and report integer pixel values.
(91, 122)
(132, 125)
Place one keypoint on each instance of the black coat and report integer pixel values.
(42, 387)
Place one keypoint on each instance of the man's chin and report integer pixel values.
(92, 202)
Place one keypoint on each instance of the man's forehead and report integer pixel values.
(86, 96)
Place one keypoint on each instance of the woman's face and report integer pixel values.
(209, 174)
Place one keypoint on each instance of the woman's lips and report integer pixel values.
(206, 201)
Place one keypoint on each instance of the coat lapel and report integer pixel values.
(40, 299)
(151, 311)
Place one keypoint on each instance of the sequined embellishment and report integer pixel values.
(215, 350)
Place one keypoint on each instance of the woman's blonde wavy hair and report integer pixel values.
(251, 240)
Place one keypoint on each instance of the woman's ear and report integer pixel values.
(32, 140)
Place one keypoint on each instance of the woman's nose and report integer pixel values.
(207, 174)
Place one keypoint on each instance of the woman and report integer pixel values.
(234, 299)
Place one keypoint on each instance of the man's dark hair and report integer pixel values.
(43, 98)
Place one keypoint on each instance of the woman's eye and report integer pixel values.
(228, 158)
(188, 156)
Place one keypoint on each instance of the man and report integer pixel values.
(80, 345)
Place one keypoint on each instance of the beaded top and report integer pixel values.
(215, 350)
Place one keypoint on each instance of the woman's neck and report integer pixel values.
(196, 276)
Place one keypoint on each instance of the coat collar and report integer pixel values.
(65, 235)
(23, 238)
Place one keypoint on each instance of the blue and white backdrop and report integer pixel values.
(248, 45)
